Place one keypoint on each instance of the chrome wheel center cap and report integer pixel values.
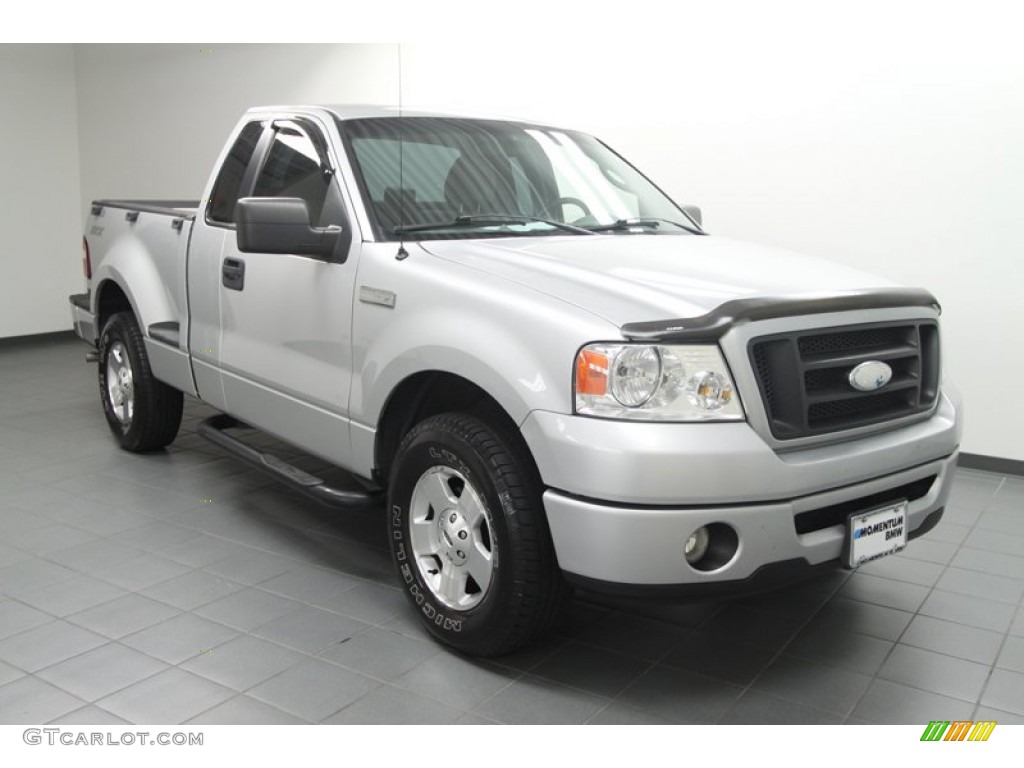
(453, 532)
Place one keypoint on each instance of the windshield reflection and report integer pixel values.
(459, 177)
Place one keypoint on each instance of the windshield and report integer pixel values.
(480, 178)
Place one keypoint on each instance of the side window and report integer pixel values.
(293, 168)
(229, 180)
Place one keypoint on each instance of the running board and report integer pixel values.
(213, 429)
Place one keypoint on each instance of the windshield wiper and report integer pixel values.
(486, 219)
(625, 225)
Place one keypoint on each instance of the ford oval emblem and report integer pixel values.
(870, 375)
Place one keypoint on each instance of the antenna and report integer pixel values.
(402, 253)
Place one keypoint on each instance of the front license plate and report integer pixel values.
(875, 534)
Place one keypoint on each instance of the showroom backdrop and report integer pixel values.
(905, 159)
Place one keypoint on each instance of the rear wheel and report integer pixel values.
(469, 536)
(144, 414)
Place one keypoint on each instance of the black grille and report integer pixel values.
(804, 376)
(845, 341)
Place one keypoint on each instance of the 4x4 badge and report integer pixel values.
(870, 375)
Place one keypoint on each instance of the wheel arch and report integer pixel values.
(110, 299)
(425, 394)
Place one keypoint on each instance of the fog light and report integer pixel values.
(697, 545)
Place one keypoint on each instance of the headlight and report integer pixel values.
(637, 374)
(655, 383)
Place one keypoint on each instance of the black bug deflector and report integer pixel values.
(713, 325)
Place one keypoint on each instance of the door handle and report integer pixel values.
(232, 273)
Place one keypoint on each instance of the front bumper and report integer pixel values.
(623, 498)
(644, 545)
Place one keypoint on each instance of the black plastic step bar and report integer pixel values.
(213, 429)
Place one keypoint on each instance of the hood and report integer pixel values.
(642, 278)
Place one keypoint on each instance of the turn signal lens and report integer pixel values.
(591, 373)
(709, 391)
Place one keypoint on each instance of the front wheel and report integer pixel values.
(143, 413)
(469, 537)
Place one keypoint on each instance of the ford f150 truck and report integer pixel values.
(544, 368)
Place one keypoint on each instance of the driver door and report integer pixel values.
(285, 319)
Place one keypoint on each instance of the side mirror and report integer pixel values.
(281, 225)
(693, 211)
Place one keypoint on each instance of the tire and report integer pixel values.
(144, 414)
(469, 536)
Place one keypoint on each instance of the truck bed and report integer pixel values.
(146, 243)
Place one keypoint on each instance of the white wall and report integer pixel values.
(154, 117)
(40, 211)
(895, 147)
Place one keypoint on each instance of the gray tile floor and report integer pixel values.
(181, 587)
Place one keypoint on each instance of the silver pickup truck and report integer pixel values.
(538, 366)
